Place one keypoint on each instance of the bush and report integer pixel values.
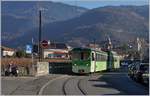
(20, 53)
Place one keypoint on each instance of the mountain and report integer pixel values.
(120, 23)
(51, 11)
(20, 17)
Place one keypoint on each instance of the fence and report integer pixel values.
(24, 65)
(60, 68)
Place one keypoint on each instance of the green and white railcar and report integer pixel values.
(85, 60)
(113, 60)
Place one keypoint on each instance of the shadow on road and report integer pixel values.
(119, 81)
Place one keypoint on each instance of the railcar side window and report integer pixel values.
(103, 58)
(98, 57)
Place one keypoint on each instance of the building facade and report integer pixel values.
(5, 51)
(56, 50)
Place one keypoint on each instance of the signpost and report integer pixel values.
(43, 44)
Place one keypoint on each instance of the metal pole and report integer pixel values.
(40, 31)
(32, 50)
(33, 65)
(94, 56)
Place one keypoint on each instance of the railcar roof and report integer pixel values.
(81, 49)
(86, 49)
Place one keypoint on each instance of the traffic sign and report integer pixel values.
(44, 43)
(29, 49)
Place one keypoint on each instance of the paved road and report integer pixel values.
(68, 85)
(110, 83)
(10, 84)
(24, 85)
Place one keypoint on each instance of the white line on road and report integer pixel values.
(44, 86)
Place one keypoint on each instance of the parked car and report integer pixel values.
(131, 69)
(140, 69)
(145, 76)
(125, 63)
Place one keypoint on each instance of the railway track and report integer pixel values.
(69, 85)
(64, 85)
(76, 87)
(80, 88)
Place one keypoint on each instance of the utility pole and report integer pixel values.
(40, 36)
(33, 65)
(109, 44)
(139, 47)
(32, 52)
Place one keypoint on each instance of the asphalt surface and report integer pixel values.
(68, 85)
(11, 84)
(110, 83)
(113, 84)
(106, 83)
(24, 85)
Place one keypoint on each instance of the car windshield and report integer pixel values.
(80, 55)
(144, 67)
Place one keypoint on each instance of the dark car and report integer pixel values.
(139, 71)
(125, 63)
(131, 69)
(145, 76)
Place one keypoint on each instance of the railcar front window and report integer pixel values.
(80, 55)
(85, 56)
(76, 55)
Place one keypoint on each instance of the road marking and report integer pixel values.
(44, 86)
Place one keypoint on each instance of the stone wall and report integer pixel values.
(42, 68)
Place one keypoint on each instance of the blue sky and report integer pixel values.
(100, 3)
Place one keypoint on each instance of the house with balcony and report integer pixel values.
(56, 50)
(6, 51)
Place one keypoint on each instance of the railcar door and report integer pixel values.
(93, 62)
